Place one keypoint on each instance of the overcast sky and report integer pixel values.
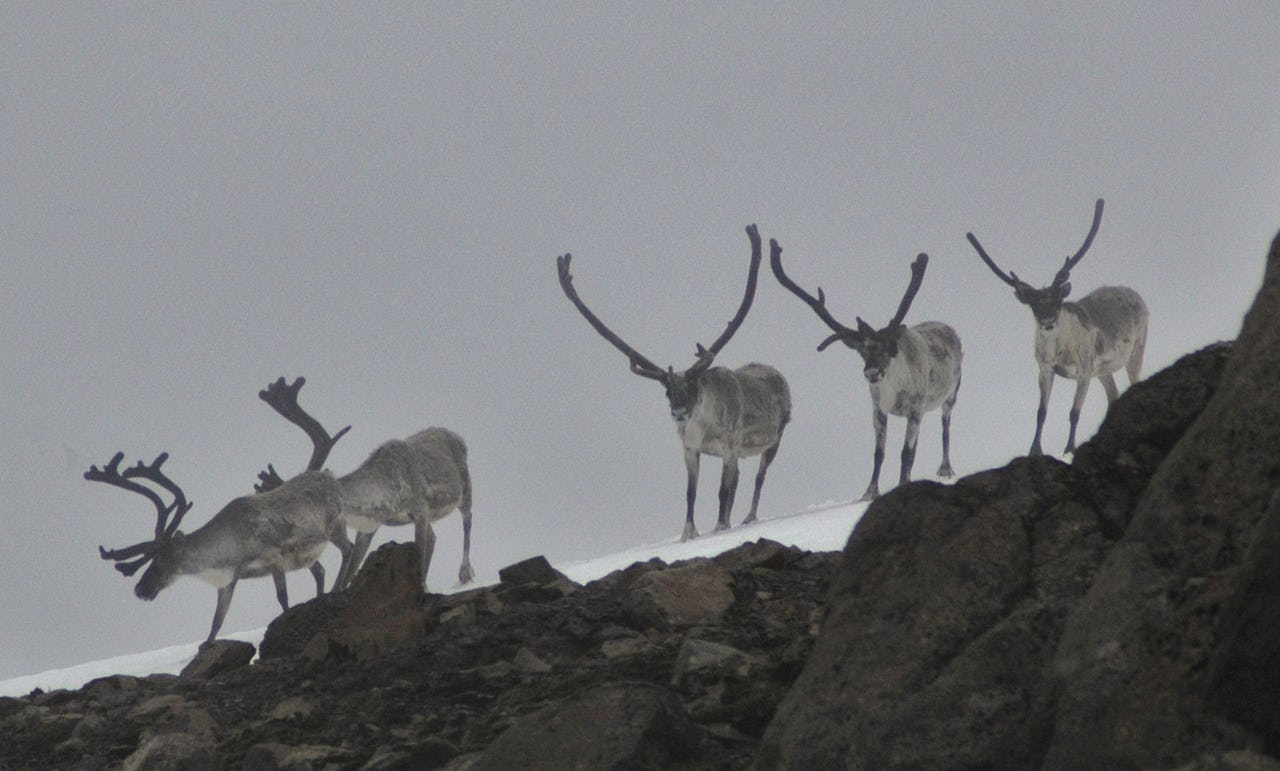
(199, 198)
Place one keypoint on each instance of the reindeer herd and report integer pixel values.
(727, 413)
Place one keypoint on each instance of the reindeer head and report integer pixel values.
(162, 550)
(878, 347)
(681, 387)
(1046, 302)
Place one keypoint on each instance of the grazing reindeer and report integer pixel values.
(1102, 332)
(273, 532)
(910, 370)
(420, 480)
(727, 413)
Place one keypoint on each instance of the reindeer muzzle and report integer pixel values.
(680, 414)
(873, 374)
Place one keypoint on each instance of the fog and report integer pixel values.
(200, 198)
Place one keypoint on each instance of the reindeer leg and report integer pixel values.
(337, 537)
(728, 490)
(352, 562)
(944, 470)
(282, 589)
(465, 574)
(1133, 367)
(1108, 382)
(765, 459)
(1082, 388)
(220, 611)
(1046, 388)
(691, 462)
(881, 423)
(909, 448)
(425, 539)
(317, 572)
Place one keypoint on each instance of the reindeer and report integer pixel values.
(727, 413)
(910, 370)
(420, 480)
(1092, 338)
(282, 528)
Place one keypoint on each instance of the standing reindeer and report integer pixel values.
(420, 480)
(727, 413)
(282, 528)
(909, 370)
(1092, 338)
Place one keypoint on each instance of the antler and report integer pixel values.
(708, 355)
(1065, 272)
(639, 364)
(917, 277)
(283, 398)
(168, 516)
(1010, 278)
(818, 304)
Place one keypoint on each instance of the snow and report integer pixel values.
(824, 527)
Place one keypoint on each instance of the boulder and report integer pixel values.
(696, 592)
(380, 613)
(613, 726)
(941, 623)
(218, 656)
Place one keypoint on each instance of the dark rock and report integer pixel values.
(535, 570)
(1142, 428)
(275, 756)
(941, 623)
(218, 656)
(613, 726)
(380, 613)
(696, 592)
(173, 752)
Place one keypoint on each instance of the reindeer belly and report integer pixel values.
(217, 577)
(370, 521)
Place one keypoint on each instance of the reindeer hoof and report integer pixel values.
(466, 575)
(945, 472)
(690, 532)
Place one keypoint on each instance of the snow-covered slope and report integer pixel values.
(821, 528)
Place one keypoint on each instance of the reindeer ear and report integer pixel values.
(1023, 293)
(1065, 290)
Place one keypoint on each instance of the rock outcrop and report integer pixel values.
(1116, 613)
(625, 672)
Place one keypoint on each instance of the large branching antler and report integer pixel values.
(707, 355)
(168, 516)
(818, 304)
(639, 364)
(1065, 272)
(283, 398)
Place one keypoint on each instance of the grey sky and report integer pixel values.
(199, 198)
